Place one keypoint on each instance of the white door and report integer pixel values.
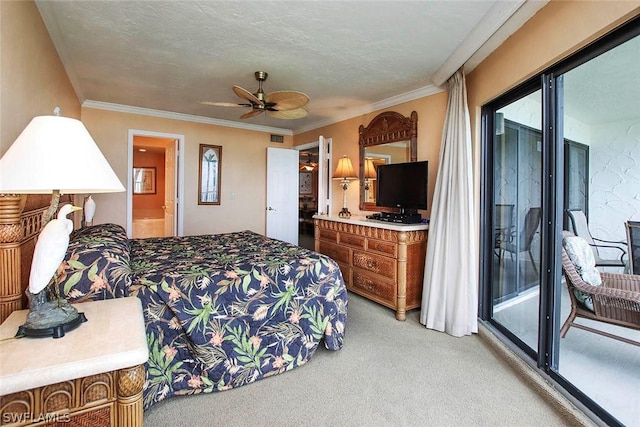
(324, 174)
(170, 189)
(282, 194)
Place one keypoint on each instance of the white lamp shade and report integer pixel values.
(56, 153)
(344, 170)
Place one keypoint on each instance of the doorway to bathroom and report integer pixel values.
(154, 207)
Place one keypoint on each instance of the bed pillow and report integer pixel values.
(581, 256)
(97, 264)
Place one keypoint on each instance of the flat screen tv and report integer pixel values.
(402, 185)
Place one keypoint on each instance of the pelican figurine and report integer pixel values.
(50, 318)
(89, 210)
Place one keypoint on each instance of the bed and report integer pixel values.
(221, 311)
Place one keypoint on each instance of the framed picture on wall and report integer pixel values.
(144, 180)
(306, 183)
(209, 174)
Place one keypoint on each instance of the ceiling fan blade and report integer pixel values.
(245, 94)
(251, 114)
(224, 104)
(287, 99)
(296, 113)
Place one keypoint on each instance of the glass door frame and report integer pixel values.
(550, 81)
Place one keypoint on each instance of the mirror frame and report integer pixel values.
(386, 127)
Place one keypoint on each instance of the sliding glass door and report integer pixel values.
(602, 113)
(565, 142)
(516, 218)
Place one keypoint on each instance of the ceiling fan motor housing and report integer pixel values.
(260, 77)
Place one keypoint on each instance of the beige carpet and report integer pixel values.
(388, 373)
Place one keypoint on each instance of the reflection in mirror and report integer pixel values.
(394, 152)
(389, 138)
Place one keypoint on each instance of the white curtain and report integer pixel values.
(450, 292)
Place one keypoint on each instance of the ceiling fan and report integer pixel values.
(308, 166)
(284, 104)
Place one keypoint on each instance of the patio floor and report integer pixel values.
(606, 370)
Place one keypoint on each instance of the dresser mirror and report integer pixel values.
(389, 138)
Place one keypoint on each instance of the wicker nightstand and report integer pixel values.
(91, 376)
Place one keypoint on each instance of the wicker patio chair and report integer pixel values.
(616, 301)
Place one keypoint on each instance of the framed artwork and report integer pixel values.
(144, 180)
(209, 174)
(306, 183)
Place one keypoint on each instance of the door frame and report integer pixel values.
(323, 158)
(179, 167)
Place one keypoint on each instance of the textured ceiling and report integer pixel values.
(350, 57)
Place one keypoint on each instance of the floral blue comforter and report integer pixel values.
(221, 311)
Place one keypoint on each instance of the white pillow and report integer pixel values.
(581, 256)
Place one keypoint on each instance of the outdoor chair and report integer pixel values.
(580, 227)
(615, 301)
(633, 241)
(503, 224)
(524, 238)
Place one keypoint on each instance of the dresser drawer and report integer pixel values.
(352, 240)
(386, 248)
(329, 235)
(375, 263)
(376, 288)
(336, 252)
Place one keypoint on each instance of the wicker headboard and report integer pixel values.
(20, 223)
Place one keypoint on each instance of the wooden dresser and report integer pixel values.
(380, 261)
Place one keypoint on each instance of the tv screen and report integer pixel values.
(402, 185)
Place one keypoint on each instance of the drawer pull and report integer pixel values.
(371, 264)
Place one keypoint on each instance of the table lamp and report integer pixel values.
(54, 155)
(344, 172)
(369, 173)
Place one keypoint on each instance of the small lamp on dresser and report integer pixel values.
(345, 173)
(369, 175)
(54, 155)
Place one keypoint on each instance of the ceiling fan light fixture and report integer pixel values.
(285, 104)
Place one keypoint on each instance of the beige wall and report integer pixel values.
(244, 155)
(32, 78)
(344, 135)
(33, 82)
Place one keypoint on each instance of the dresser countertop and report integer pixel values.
(363, 220)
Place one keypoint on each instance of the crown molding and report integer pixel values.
(490, 23)
(99, 105)
(369, 108)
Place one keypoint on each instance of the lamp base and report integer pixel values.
(56, 331)
(49, 318)
(344, 213)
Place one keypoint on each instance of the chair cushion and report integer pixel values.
(581, 256)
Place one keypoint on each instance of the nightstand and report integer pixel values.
(92, 376)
